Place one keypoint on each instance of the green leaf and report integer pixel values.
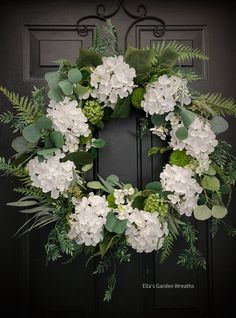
(55, 94)
(20, 144)
(219, 124)
(66, 86)
(96, 185)
(113, 224)
(44, 123)
(50, 76)
(211, 171)
(122, 108)
(46, 152)
(138, 202)
(219, 211)
(181, 133)
(57, 139)
(31, 133)
(154, 150)
(168, 58)
(113, 178)
(211, 183)
(155, 186)
(80, 158)
(107, 242)
(98, 143)
(158, 120)
(88, 167)
(187, 116)
(82, 90)
(202, 212)
(141, 61)
(74, 75)
(88, 58)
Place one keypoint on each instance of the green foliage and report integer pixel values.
(183, 53)
(155, 203)
(122, 108)
(143, 127)
(27, 111)
(219, 124)
(215, 104)
(14, 170)
(167, 247)
(111, 283)
(105, 41)
(115, 225)
(93, 112)
(191, 257)
(202, 212)
(59, 243)
(137, 97)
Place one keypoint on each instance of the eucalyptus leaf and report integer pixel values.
(46, 152)
(219, 211)
(211, 183)
(202, 212)
(138, 202)
(66, 86)
(219, 124)
(80, 158)
(44, 123)
(21, 145)
(96, 185)
(158, 120)
(155, 186)
(82, 90)
(31, 133)
(113, 178)
(57, 139)
(187, 116)
(115, 225)
(87, 167)
(181, 133)
(74, 75)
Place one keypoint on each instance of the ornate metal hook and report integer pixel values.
(158, 29)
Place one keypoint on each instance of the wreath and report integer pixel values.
(56, 148)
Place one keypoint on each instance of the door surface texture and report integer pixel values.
(33, 34)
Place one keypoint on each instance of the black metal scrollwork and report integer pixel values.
(158, 29)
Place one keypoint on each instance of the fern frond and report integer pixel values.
(184, 52)
(26, 110)
(219, 105)
(167, 247)
(13, 170)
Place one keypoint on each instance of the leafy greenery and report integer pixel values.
(215, 104)
(27, 111)
(167, 246)
(190, 257)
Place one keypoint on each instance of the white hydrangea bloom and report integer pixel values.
(183, 187)
(51, 175)
(113, 79)
(68, 119)
(199, 144)
(145, 232)
(162, 95)
(88, 220)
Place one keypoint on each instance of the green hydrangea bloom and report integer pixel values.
(179, 158)
(137, 97)
(154, 203)
(93, 111)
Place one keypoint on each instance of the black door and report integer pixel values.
(32, 35)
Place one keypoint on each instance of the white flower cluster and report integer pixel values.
(68, 119)
(199, 144)
(120, 194)
(51, 175)
(145, 232)
(162, 95)
(160, 132)
(113, 79)
(183, 187)
(88, 220)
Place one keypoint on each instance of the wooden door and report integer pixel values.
(35, 33)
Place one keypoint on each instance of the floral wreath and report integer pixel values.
(104, 218)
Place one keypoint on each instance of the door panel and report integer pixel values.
(33, 34)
